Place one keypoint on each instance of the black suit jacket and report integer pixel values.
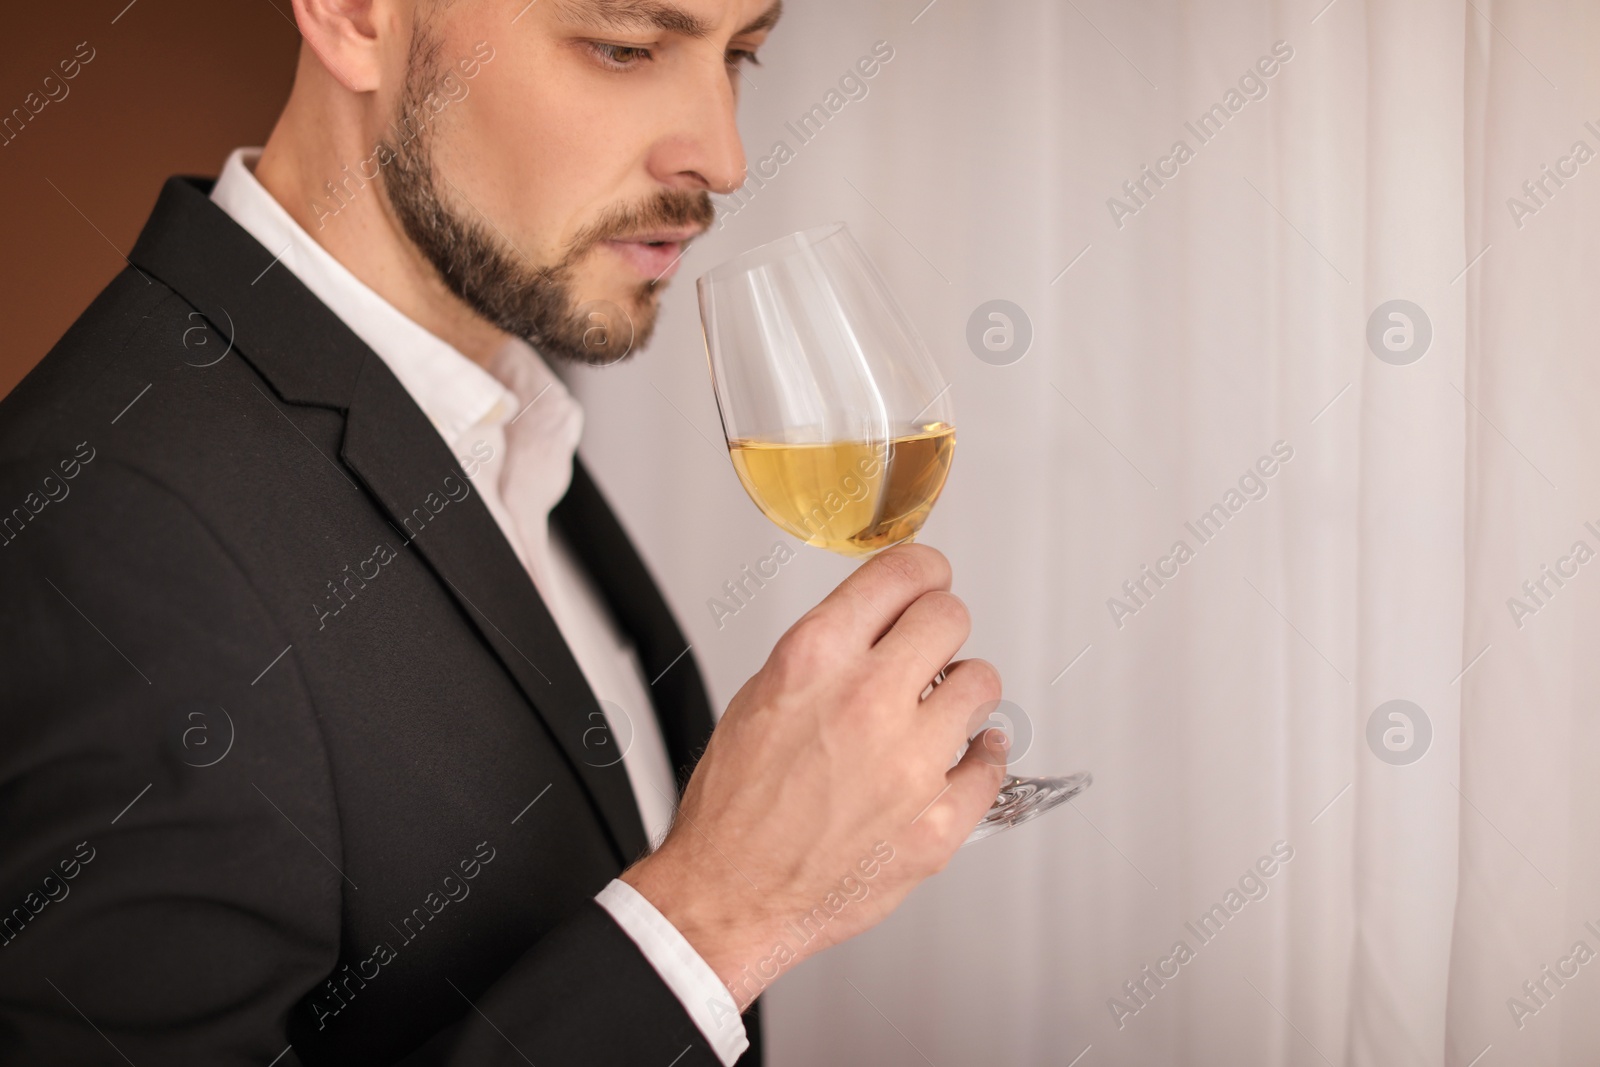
(293, 760)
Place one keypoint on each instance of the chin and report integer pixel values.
(641, 302)
(606, 325)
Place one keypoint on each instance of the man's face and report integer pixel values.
(568, 179)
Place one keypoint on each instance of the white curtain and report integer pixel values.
(1529, 887)
(1211, 329)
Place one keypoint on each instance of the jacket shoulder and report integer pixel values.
(133, 319)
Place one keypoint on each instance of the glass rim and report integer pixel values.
(772, 251)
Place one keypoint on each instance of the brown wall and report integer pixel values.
(172, 87)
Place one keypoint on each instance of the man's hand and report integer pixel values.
(827, 793)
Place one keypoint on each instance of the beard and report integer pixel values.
(482, 267)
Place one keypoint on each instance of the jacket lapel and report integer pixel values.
(309, 356)
(676, 688)
(398, 455)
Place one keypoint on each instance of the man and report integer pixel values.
(340, 714)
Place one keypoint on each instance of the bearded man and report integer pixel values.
(344, 724)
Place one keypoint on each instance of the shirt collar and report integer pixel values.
(456, 394)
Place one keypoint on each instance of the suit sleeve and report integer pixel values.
(205, 895)
(171, 874)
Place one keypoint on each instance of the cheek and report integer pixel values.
(535, 151)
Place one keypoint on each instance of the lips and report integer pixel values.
(654, 255)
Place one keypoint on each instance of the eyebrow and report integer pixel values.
(656, 14)
(764, 21)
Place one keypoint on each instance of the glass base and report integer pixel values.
(1022, 799)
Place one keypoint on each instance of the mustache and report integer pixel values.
(668, 209)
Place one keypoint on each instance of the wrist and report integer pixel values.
(723, 923)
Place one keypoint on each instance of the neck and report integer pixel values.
(328, 135)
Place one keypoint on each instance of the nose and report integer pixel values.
(702, 149)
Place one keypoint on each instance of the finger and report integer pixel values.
(971, 787)
(868, 602)
(923, 639)
(961, 702)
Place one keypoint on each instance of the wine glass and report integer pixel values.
(838, 422)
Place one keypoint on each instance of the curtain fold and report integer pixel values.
(1530, 845)
(1410, 522)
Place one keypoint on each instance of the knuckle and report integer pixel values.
(916, 565)
(946, 831)
(807, 645)
(947, 610)
(983, 676)
(900, 566)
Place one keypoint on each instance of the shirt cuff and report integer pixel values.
(690, 978)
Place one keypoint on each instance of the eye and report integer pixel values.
(738, 56)
(619, 56)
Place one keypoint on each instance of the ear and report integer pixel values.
(344, 35)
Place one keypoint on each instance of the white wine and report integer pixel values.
(850, 497)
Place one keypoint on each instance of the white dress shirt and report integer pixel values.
(514, 428)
